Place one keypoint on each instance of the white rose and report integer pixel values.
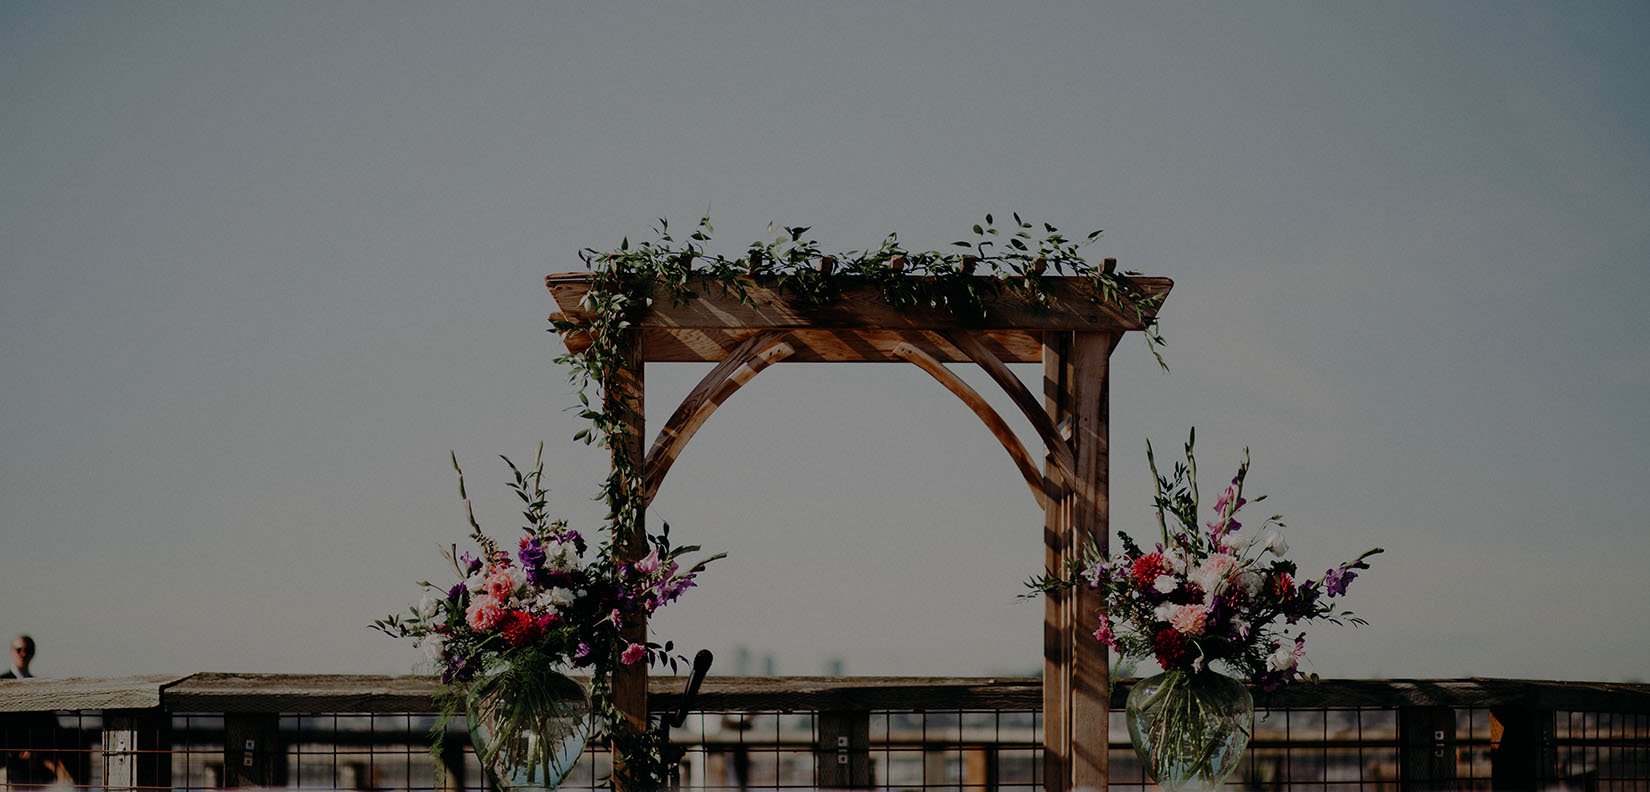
(475, 582)
(432, 646)
(1250, 581)
(1164, 584)
(428, 606)
(1281, 660)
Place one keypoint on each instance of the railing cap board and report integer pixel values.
(301, 693)
(216, 692)
(83, 693)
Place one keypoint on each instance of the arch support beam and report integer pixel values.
(994, 422)
(1054, 441)
(739, 367)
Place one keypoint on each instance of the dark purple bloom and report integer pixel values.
(470, 563)
(1335, 581)
(531, 555)
(456, 593)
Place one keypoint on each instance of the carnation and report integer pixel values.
(1173, 651)
(1189, 619)
(484, 613)
(633, 654)
(519, 628)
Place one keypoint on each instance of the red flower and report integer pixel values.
(519, 628)
(1281, 587)
(1172, 650)
(1146, 568)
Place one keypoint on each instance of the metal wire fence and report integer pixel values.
(753, 740)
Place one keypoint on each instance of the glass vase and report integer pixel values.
(528, 729)
(1189, 728)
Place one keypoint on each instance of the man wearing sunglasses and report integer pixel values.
(22, 652)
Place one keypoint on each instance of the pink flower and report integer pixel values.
(1104, 634)
(649, 565)
(500, 586)
(1189, 619)
(632, 653)
(484, 613)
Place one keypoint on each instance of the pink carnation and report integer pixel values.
(484, 613)
(1189, 619)
(632, 654)
(501, 585)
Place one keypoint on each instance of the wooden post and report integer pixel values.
(1056, 605)
(1426, 748)
(252, 754)
(624, 390)
(137, 749)
(1523, 754)
(843, 753)
(1075, 680)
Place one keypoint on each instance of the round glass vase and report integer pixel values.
(528, 729)
(1189, 728)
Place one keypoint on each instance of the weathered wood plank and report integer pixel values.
(252, 753)
(843, 753)
(136, 749)
(623, 390)
(1057, 606)
(668, 345)
(1073, 304)
(1089, 520)
(300, 693)
(79, 693)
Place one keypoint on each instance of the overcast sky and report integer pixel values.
(263, 265)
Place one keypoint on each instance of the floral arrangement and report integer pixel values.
(515, 616)
(1210, 592)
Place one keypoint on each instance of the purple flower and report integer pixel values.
(531, 555)
(1335, 580)
(470, 563)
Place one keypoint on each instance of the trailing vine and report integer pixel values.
(624, 282)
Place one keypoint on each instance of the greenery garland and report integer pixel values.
(624, 282)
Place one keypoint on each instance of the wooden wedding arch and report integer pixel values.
(1072, 335)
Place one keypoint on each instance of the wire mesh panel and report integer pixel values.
(779, 735)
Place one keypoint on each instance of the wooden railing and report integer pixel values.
(250, 729)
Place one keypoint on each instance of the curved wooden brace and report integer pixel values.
(1053, 439)
(743, 363)
(993, 421)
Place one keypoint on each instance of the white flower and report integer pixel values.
(1211, 574)
(553, 598)
(476, 581)
(432, 646)
(1249, 580)
(1164, 584)
(562, 555)
(428, 606)
(1273, 540)
(1163, 611)
(1175, 562)
(1281, 660)
(518, 578)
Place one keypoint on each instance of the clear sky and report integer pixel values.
(263, 265)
